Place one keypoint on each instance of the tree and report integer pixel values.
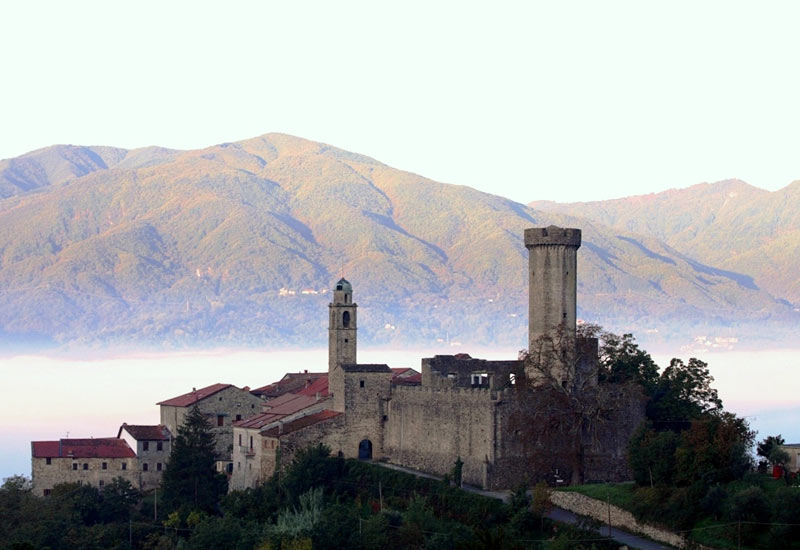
(190, 479)
(681, 394)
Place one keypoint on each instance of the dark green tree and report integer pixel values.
(622, 360)
(190, 480)
(118, 500)
(682, 393)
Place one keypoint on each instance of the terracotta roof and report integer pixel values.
(194, 396)
(258, 421)
(413, 380)
(300, 423)
(151, 433)
(365, 368)
(289, 403)
(101, 447)
(291, 382)
(319, 385)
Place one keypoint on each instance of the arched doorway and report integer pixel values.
(365, 450)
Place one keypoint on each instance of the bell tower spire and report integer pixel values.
(342, 326)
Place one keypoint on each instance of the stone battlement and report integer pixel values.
(473, 394)
(552, 236)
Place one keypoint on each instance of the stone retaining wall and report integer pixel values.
(598, 510)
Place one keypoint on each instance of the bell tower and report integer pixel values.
(342, 326)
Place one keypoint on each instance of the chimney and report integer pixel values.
(316, 397)
(280, 428)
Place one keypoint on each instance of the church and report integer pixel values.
(544, 416)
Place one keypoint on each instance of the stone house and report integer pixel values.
(222, 404)
(152, 446)
(84, 461)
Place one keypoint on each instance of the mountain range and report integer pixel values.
(238, 244)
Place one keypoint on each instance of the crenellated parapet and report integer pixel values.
(552, 236)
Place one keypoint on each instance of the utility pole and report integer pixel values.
(155, 505)
(380, 494)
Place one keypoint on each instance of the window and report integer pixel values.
(361, 383)
(220, 399)
(239, 465)
(346, 319)
(124, 465)
(238, 417)
(512, 378)
(158, 466)
(85, 465)
(48, 460)
(160, 446)
(251, 441)
(220, 420)
(145, 445)
(104, 466)
(480, 379)
(240, 440)
(101, 483)
(74, 465)
(250, 466)
(46, 492)
(144, 467)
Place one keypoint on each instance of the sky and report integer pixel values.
(530, 100)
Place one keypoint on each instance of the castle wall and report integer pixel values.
(429, 430)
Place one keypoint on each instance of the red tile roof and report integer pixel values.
(101, 447)
(319, 385)
(413, 380)
(194, 396)
(300, 423)
(258, 421)
(151, 433)
(291, 382)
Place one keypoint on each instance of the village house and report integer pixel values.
(793, 450)
(95, 461)
(222, 404)
(152, 445)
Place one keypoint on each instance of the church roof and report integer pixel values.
(365, 368)
(300, 423)
(344, 284)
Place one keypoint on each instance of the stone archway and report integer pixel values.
(365, 450)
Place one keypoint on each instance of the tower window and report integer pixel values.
(346, 319)
(361, 383)
(346, 340)
(346, 298)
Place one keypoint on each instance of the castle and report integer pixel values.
(541, 417)
(497, 417)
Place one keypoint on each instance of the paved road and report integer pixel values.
(556, 514)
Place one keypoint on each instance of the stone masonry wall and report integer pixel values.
(429, 429)
(598, 510)
(227, 404)
(60, 470)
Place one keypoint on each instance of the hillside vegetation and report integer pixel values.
(729, 224)
(217, 246)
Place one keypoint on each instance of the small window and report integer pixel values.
(250, 466)
(144, 467)
(220, 420)
(240, 440)
(104, 466)
(251, 441)
(160, 446)
(124, 465)
(74, 465)
(512, 378)
(158, 466)
(238, 417)
(220, 399)
(346, 319)
(48, 460)
(239, 465)
(252, 406)
(145, 445)
(385, 418)
(46, 492)
(101, 483)
(361, 383)
(85, 465)
(346, 340)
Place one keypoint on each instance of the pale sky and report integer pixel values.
(529, 100)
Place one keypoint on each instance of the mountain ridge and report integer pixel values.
(219, 245)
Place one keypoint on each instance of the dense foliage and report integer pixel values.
(319, 502)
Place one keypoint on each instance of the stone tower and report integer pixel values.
(342, 326)
(553, 281)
